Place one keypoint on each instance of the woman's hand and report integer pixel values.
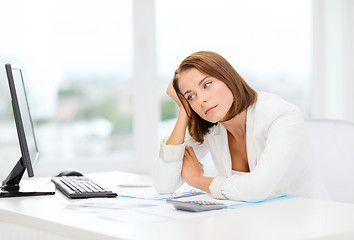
(193, 171)
(178, 134)
(172, 93)
(191, 168)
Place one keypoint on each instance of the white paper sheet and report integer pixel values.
(144, 205)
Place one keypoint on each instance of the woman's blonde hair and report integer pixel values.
(214, 65)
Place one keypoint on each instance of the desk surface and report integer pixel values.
(295, 218)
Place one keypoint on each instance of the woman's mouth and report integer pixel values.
(210, 110)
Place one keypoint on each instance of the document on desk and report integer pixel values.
(144, 205)
(157, 211)
(169, 212)
(130, 197)
(163, 211)
(124, 210)
(97, 204)
(149, 193)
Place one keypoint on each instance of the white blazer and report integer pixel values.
(276, 145)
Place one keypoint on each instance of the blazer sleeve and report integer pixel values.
(167, 170)
(283, 132)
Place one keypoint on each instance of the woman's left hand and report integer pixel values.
(191, 167)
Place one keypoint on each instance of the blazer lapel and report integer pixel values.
(219, 149)
(219, 146)
(249, 138)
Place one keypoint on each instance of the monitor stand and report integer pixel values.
(11, 186)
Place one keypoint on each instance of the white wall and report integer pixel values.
(146, 105)
(333, 63)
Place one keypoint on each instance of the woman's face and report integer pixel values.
(209, 97)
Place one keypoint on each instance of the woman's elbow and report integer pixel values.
(250, 194)
(257, 197)
(164, 186)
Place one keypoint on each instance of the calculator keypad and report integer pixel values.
(196, 206)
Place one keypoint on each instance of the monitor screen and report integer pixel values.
(23, 118)
(11, 186)
(25, 114)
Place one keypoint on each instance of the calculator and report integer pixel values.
(196, 206)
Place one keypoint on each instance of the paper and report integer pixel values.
(134, 185)
(145, 205)
(126, 210)
(149, 211)
(114, 203)
(169, 212)
(149, 193)
(132, 216)
(140, 192)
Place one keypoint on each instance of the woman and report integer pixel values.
(255, 138)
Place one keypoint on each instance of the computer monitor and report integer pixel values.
(29, 150)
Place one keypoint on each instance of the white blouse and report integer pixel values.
(276, 149)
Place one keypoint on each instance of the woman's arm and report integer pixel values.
(178, 134)
(168, 167)
(179, 131)
(171, 164)
(167, 170)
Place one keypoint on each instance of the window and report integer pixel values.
(77, 63)
(267, 42)
(77, 57)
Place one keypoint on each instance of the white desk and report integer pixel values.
(47, 217)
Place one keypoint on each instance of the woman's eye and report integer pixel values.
(191, 97)
(207, 84)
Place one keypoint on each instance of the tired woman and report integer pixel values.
(256, 139)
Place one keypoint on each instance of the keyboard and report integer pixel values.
(81, 187)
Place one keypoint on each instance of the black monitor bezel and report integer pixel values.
(18, 120)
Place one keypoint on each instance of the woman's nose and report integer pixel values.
(203, 98)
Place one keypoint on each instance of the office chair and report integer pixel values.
(332, 146)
